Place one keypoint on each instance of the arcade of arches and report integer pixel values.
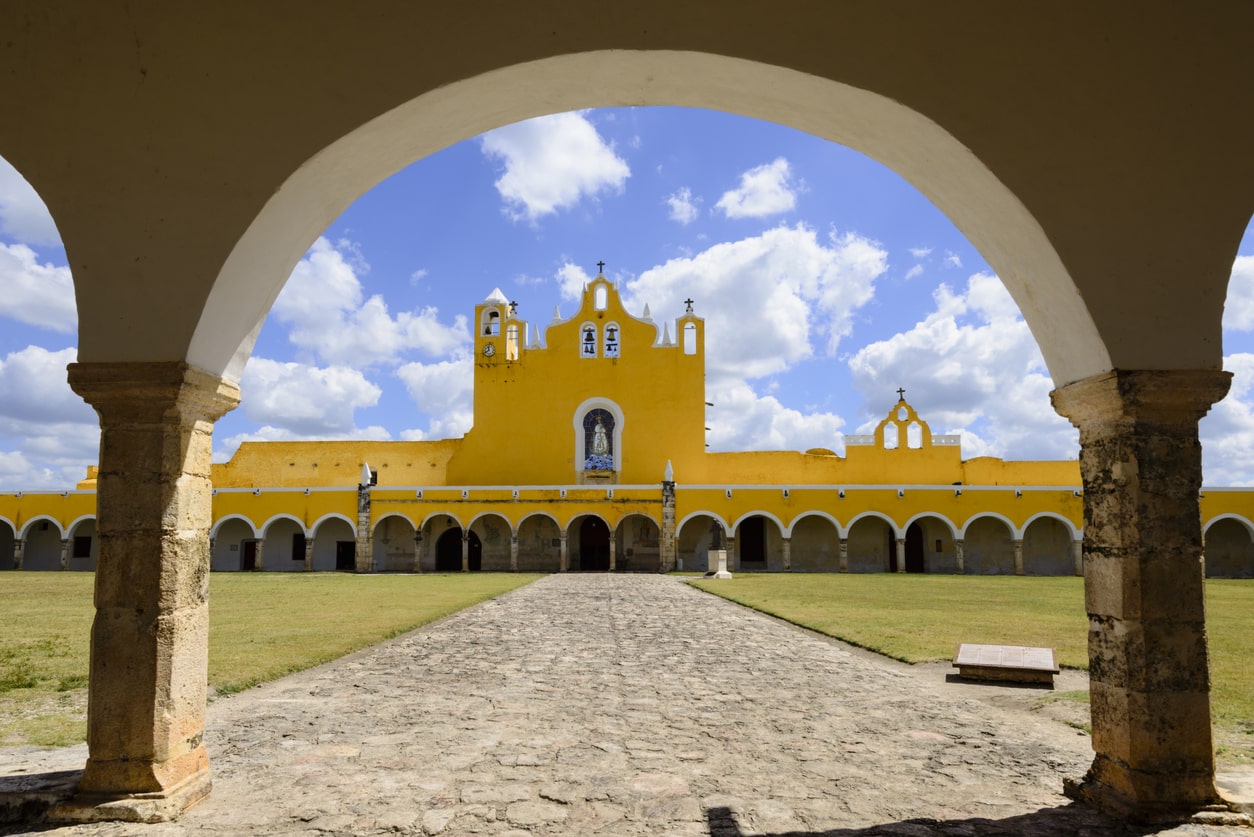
(190, 159)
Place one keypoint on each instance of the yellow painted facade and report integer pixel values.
(588, 452)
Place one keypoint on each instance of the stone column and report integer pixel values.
(149, 640)
(1017, 545)
(465, 550)
(733, 557)
(363, 558)
(960, 566)
(668, 559)
(418, 541)
(259, 562)
(19, 553)
(901, 555)
(65, 553)
(1141, 465)
(564, 556)
(613, 550)
(309, 547)
(786, 544)
(513, 552)
(844, 555)
(1077, 556)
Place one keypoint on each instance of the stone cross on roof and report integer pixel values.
(901, 394)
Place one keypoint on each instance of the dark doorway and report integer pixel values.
(752, 541)
(892, 550)
(914, 549)
(594, 545)
(448, 552)
(346, 555)
(249, 558)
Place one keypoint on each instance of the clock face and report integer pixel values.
(489, 349)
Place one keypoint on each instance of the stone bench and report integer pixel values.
(1007, 663)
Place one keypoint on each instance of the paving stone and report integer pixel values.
(622, 705)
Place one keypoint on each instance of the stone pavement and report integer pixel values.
(623, 705)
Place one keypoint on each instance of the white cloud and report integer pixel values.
(57, 433)
(683, 209)
(1227, 431)
(571, 279)
(417, 276)
(323, 307)
(767, 298)
(1239, 306)
(952, 259)
(303, 401)
(920, 252)
(914, 272)
(551, 163)
(971, 367)
(36, 294)
(445, 392)
(743, 420)
(765, 190)
(23, 214)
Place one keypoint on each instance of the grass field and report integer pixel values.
(917, 618)
(261, 626)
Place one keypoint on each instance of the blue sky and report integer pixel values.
(826, 281)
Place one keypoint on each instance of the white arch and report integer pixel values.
(389, 516)
(1249, 527)
(41, 519)
(285, 516)
(598, 403)
(679, 527)
(1014, 531)
(11, 524)
(645, 515)
(759, 513)
(317, 524)
(815, 513)
(1076, 534)
(217, 524)
(892, 524)
(570, 521)
(457, 521)
(543, 514)
(76, 521)
(992, 217)
(481, 515)
(953, 530)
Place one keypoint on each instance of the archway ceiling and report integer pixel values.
(1099, 161)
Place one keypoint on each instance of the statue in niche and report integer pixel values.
(598, 428)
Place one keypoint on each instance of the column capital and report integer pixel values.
(145, 391)
(1104, 404)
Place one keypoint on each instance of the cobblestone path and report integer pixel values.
(627, 705)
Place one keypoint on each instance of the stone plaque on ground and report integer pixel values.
(1010, 663)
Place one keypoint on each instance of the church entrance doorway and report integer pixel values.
(248, 560)
(594, 545)
(914, 549)
(752, 541)
(448, 552)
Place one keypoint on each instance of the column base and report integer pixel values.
(160, 806)
(1195, 797)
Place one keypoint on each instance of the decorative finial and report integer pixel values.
(901, 394)
(669, 474)
(600, 267)
(557, 313)
(365, 474)
(688, 302)
(646, 316)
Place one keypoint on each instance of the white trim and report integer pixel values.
(892, 524)
(819, 513)
(1076, 534)
(217, 525)
(953, 528)
(1010, 524)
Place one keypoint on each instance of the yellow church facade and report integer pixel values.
(588, 454)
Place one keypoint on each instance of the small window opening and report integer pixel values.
(511, 342)
(492, 322)
(82, 546)
(601, 298)
(890, 437)
(690, 338)
(611, 340)
(914, 435)
(589, 342)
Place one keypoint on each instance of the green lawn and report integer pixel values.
(916, 618)
(261, 626)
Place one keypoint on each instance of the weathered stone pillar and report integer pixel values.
(1140, 461)
(733, 556)
(19, 553)
(363, 554)
(309, 548)
(149, 639)
(259, 557)
(65, 553)
(418, 541)
(513, 552)
(1077, 555)
(1017, 545)
(668, 559)
(563, 555)
(465, 550)
(786, 544)
(844, 555)
(901, 555)
(613, 550)
(960, 566)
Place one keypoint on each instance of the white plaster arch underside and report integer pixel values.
(1249, 527)
(917, 148)
(679, 527)
(43, 518)
(821, 515)
(898, 531)
(953, 530)
(763, 514)
(317, 524)
(300, 524)
(1076, 534)
(222, 521)
(1014, 531)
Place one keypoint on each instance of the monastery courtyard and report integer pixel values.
(626, 705)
